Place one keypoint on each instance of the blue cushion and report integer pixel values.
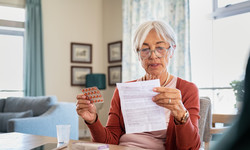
(5, 117)
(38, 105)
(1, 104)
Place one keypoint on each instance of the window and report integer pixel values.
(219, 53)
(11, 51)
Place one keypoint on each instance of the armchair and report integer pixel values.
(205, 122)
(208, 120)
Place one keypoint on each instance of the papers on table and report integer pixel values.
(140, 113)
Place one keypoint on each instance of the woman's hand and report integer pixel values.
(85, 109)
(171, 99)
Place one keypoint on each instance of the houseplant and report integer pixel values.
(238, 88)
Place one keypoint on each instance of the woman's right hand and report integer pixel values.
(85, 109)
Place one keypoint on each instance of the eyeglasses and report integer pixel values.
(159, 52)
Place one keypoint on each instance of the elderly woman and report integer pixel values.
(154, 42)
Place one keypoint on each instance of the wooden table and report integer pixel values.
(221, 118)
(21, 141)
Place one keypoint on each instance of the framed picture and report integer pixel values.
(115, 52)
(78, 75)
(81, 53)
(114, 74)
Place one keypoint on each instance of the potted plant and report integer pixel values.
(238, 88)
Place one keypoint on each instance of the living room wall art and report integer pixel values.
(115, 52)
(114, 75)
(81, 53)
(78, 75)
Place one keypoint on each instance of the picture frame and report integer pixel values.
(81, 53)
(115, 52)
(114, 75)
(78, 75)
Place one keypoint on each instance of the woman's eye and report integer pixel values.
(145, 49)
(160, 48)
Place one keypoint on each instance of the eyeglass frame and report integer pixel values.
(166, 49)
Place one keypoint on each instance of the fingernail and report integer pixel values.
(153, 98)
(154, 89)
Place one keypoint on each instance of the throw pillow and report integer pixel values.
(5, 117)
(38, 105)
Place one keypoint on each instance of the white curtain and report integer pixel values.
(176, 13)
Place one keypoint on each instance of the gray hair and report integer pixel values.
(162, 29)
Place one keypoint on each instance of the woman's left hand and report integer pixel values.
(171, 99)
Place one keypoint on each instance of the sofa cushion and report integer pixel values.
(5, 117)
(1, 104)
(38, 105)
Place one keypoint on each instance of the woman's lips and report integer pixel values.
(155, 65)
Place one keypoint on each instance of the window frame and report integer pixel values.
(229, 10)
(11, 32)
(14, 24)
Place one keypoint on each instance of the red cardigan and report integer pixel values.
(179, 137)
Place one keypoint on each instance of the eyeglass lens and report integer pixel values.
(159, 52)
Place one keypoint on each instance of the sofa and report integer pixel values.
(37, 115)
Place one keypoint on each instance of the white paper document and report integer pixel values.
(140, 113)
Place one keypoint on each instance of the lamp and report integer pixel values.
(96, 79)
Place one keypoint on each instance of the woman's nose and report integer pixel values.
(152, 52)
(153, 55)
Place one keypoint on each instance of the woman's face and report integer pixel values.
(154, 65)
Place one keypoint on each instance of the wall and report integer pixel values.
(86, 21)
(112, 31)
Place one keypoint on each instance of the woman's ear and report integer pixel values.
(174, 46)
